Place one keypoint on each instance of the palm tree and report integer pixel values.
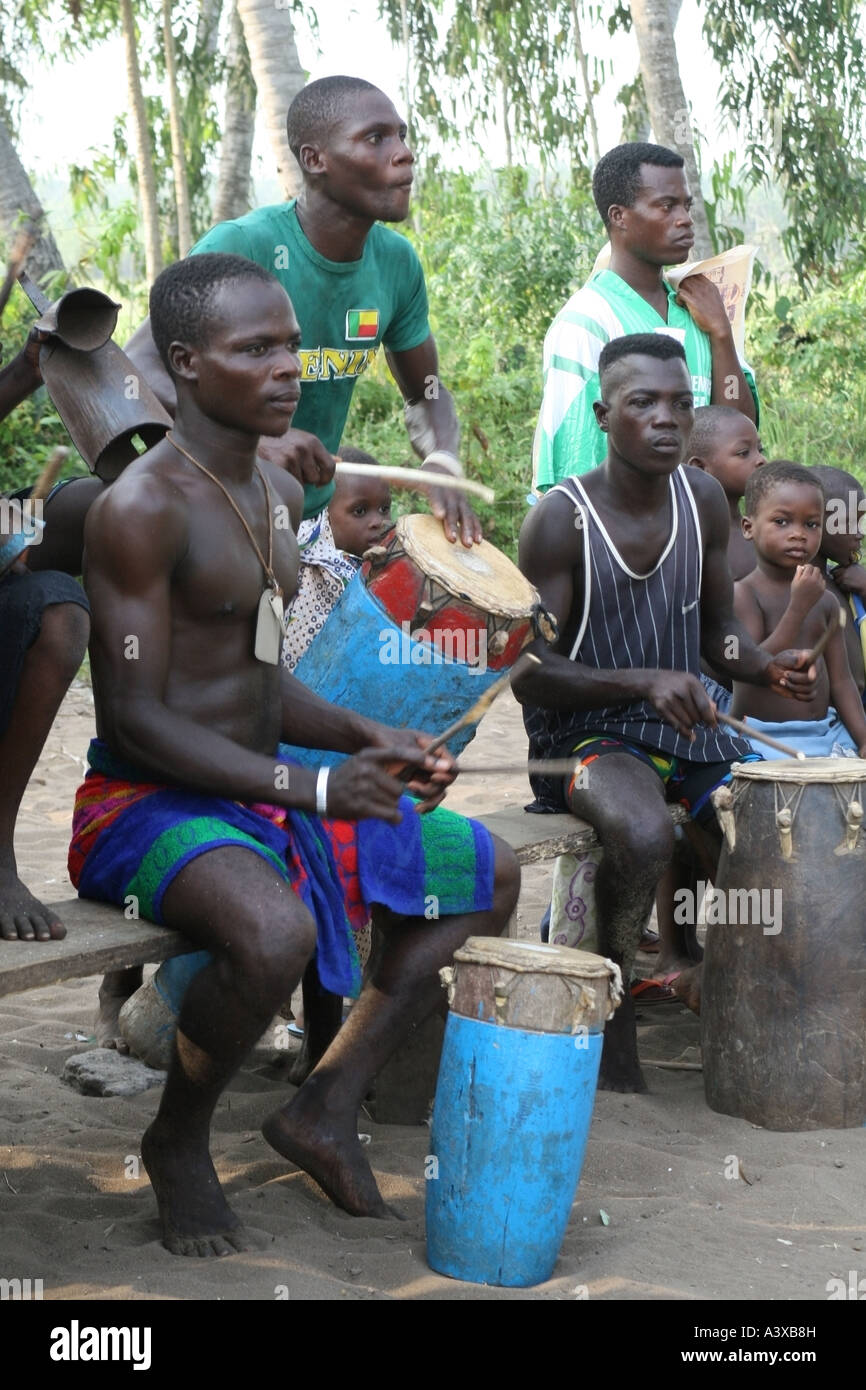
(178, 157)
(18, 200)
(278, 76)
(239, 121)
(654, 28)
(143, 148)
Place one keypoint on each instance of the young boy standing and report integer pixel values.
(785, 602)
(725, 443)
(331, 547)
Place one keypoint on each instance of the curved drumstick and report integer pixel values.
(477, 710)
(414, 478)
(751, 733)
(47, 478)
(841, 618)
(23, 242)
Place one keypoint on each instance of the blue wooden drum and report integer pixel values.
(420, 632)
(513, 1106)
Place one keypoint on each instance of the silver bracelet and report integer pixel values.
(450, 462)
(322, 791)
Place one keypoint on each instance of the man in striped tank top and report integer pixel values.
(631, 559)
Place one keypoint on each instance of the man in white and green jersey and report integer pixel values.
(643, 198)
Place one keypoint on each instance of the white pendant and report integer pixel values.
(270, 628)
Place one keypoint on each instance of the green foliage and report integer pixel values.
(498, 61)
(811, 357)
(792, 82)
(33, 430)
(500, 262)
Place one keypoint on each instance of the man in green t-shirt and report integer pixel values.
(643, 198)
(354, 284)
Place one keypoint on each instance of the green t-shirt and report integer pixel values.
(345, 310)
(568, 439)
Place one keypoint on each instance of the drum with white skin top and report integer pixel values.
(783, 1003)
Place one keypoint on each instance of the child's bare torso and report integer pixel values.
(772, 598)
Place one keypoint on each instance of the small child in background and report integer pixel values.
(332, 546)
(784, 603)
(725, 443)
(840, 546)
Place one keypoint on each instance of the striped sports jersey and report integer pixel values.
(567, 437)
(632, 621)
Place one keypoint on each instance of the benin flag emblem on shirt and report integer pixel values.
(362, 323)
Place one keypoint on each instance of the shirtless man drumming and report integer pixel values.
(188, 805)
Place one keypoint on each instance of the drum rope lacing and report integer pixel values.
(787, 806)
(852, 809)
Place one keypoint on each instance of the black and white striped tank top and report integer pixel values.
(630, 621)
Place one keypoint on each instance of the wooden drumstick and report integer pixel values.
(414, 478)
(476, 711)
(20, 250)
(841, 618)
(47, 478)
(482, 704)
(751, 733)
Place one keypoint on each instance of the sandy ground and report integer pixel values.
(76, 1209)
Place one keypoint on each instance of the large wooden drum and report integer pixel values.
(783, 1007)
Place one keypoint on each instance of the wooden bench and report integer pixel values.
(99, 938)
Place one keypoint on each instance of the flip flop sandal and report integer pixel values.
(654, 991)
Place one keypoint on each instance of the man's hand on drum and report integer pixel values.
(787, 674)
(680, 699)
(301, 454)
(451, 508)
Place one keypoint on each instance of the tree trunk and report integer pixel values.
(143, 151)
(239, 123)
(278, 77)
(584, 72)
(407, 68)
(178, 156)
(668, 110)
(506, 127)
(207, 27)
(18, 200)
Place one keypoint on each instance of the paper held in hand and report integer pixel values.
(730, 272)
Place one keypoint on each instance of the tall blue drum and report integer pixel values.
(513, 1106)
(420, 632)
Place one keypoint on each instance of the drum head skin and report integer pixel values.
(803, 770)
(480, 573)
(524, 984)
(534, 956)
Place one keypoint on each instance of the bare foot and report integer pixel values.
(115, 988)
(196, 1218)
(329, 1152)
(669, 963)
(687, 987)
(106, 1027)
(23, 917)
(620, 1068)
